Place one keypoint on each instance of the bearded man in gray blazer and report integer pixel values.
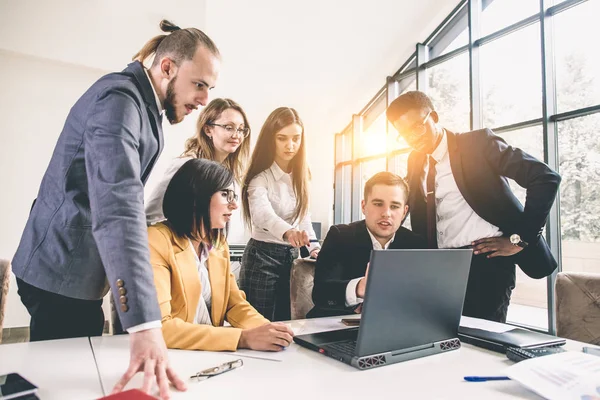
(87, 228)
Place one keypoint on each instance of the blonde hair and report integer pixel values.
(201, 146)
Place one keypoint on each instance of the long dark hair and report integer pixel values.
(263, 157)
(186, 204)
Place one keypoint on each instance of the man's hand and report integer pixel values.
(296, 238)
(315, 253)
(362, 284)
(273, 336)
(148, 353)
(495, 247)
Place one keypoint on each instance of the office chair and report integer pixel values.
(301, 286)
(578, 306)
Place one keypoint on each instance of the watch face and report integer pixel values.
(514, 239)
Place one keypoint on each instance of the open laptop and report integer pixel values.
(412, 308)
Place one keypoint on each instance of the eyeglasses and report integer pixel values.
(417, 130)
(218, 370)
(231, 129)
(231, 196)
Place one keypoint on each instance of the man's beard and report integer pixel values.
(170, 104)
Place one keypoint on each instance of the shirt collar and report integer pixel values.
(158, 103)
(204, 254)
(377, 245)
(442, 148)
(278, 173)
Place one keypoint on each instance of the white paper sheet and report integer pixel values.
(561, 376)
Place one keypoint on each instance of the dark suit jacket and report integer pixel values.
(343, 257)
(481, 162)
(88, 223)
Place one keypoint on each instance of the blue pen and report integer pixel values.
(486, 378)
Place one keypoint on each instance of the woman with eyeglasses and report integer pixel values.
(190, 258)
(275, 198)
(222, 135)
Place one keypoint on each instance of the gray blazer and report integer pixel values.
(88, 222)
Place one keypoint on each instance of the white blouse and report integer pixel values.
(272, 201)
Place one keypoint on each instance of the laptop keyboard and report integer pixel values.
(347, 347)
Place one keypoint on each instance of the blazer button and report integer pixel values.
(124, 307)
(120, 283)
(122, 291)
(123, 299)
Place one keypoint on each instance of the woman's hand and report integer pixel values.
(296, 238)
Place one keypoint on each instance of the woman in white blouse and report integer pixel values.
(275, 199)
(222, 135)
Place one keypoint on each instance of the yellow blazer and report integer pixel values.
(178, 288)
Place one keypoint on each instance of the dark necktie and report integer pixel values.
(430, 196)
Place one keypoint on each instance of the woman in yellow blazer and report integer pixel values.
(184, 253)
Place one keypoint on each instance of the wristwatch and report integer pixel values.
(515, 239)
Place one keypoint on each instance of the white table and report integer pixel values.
(298, 373)
(62, 369)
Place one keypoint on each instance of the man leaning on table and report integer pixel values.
(342, 267)
(88, 224)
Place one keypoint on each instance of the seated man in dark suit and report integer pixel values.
(341, 270)
(460, 197)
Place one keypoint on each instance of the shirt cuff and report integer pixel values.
(351, 298)
(279, 228)
(313, 246)
(145, 326)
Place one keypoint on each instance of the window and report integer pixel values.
(577, 62)
(529, 305)
(508, 81)
(501, 13)
(368, 169)
(461, 40)
(579, 157)
(449, 92)
(579, 163)
(343, 194)
(373, 140)
(511, 78)
(343, 146)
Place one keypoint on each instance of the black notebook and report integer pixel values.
(513, 337)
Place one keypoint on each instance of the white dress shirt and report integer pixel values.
(351, 298)
(457, 224)
(156, 98)
(272, 201)
(205, 300)
(151, 324)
